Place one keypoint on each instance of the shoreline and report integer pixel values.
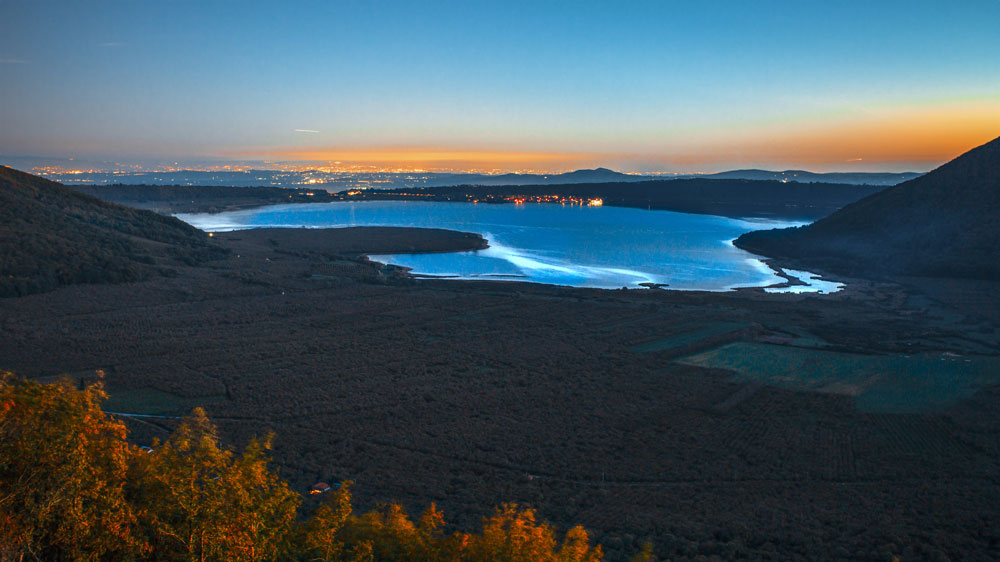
(430, 240)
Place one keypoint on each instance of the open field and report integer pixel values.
(633, 413)
(897, 383)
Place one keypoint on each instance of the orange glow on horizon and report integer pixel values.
(919, 137)
(427, 158)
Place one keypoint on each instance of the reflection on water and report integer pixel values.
(606, 247)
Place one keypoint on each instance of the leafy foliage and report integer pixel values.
(72, 488)
(203, 502)
(63, 466)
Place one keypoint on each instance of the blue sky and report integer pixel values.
(650, 85)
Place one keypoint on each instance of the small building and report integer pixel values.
(319, 488)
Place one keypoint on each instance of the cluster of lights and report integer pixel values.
(403, 194)
(471, 198)
(522, 199)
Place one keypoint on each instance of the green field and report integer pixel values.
(154, 402)
(688, 336)
(927, 382)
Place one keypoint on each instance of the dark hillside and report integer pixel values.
(201, 199)
(51, 235)
(943, 224)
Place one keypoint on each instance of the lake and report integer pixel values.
(604, 247)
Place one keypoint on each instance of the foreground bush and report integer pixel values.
(197, 501)
(63, 468)
(72, 488)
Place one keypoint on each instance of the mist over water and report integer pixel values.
(604, 247)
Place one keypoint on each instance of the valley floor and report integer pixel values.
(736, 425)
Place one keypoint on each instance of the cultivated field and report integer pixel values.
(897, 383)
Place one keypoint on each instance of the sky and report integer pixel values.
(635, 86)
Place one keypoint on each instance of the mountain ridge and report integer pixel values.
(945, 223)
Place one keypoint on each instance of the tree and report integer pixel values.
(645, 553)
(392, 536)
(63, 465)
(202, 502)
(512, 534)
(321, 535)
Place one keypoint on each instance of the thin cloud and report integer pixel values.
(854, 160)
(306, 131)
(113, 44)
(12, 61)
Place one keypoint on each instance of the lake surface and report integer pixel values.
(604, 247)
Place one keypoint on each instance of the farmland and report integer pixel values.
(899, 383)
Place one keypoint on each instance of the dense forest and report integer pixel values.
(51, 235)
(73, 488)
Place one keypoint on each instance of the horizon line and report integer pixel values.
(321, 166)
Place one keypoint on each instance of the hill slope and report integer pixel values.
(51, 236)
(200, 199)
(943, 224)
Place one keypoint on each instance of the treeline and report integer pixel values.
(725, 197)
(73, 488)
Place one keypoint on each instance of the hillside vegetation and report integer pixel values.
(73, 488)
(51, 235)
(943, 224)
(201, 199)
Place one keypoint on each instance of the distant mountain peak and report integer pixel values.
(594, 171)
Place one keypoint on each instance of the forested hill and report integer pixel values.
(728, 197)
(201, 199)
(51, 235)
(943, 224)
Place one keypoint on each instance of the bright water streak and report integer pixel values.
(813, 284)
(606, 247)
